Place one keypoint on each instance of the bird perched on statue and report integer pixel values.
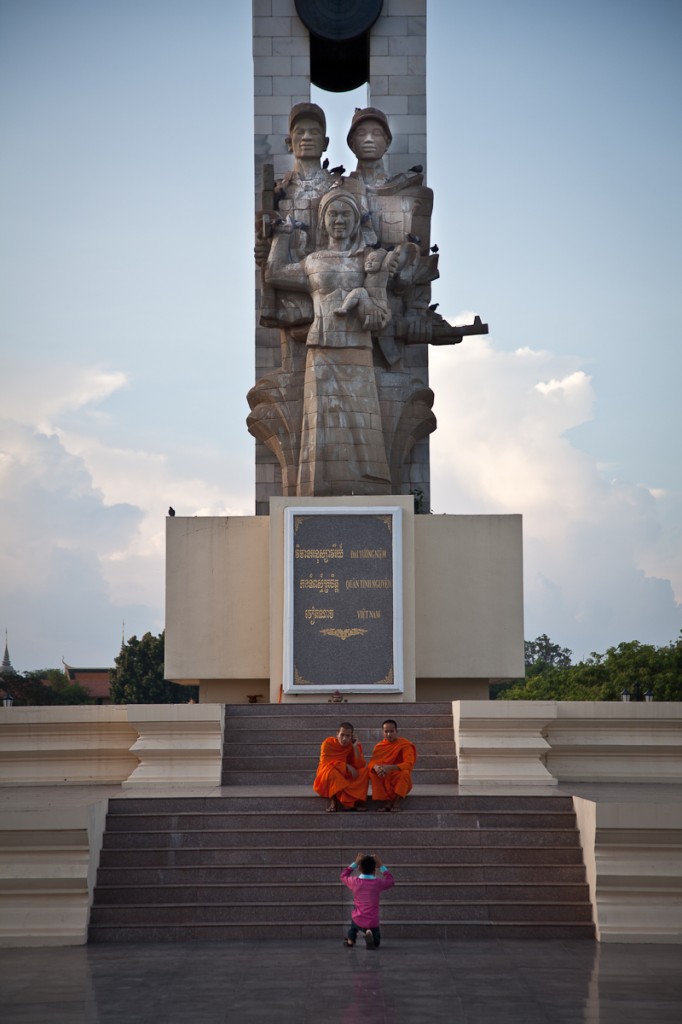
(434, 248)
(434, 307)
(325, 163)
(414, 238)
(337, 170)
(417, 169)
(171, 510)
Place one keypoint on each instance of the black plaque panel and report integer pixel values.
(343, 594)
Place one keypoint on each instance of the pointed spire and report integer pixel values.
(6, 668)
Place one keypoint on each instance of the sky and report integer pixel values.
(126, 317)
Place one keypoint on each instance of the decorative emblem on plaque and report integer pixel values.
(344, 634)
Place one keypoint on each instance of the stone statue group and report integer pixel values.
(346, 267)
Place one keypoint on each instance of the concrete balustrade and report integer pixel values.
(632, 847)
(49, 854)
(607, 742)
(506, 745)
(633, 860)
(132, 745)
(550, 742)
(177, 744)
(48, 863)
(49, 746)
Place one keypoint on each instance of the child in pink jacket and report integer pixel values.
(367, 888)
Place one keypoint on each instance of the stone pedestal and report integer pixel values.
(462, 603)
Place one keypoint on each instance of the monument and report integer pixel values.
(347, 420)
(338, 584)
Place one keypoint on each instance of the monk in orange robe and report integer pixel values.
(390, 768)
(342, 775)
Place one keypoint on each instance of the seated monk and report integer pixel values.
(391, 767)
(342, 774)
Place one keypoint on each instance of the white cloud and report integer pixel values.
(37, 396)
(82, 523)
(56, 531)
(151, 481)
(601, 560)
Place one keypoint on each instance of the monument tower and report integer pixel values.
(336, 584)
(338, 47)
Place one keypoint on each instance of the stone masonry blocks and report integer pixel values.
(416, 26)
(389, 65)
(262, 86)
(411, 8)
(378, 86)
(407, 46)
(289, 85)
(406, 85)
(378, 45)
(270, 27)
(274, 66)
(390, 27)
(291, 46)
(393, 105)
(262, 46)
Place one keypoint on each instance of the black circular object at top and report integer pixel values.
(338, 19)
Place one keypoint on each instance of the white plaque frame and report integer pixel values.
(288, 679)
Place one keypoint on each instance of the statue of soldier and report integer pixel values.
(276, 400)
(393, 217)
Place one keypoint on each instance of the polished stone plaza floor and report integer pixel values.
(309, 982)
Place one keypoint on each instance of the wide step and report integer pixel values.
(244, 867)
(274, 745)
(174, 870)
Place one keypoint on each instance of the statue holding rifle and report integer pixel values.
(347, 266)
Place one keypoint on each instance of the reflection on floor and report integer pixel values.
(308, 982)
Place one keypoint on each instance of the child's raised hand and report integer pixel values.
(358, 857)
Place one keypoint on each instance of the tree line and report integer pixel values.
(137, 678)
(630, 668)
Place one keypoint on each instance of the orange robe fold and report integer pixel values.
(400, 752)
(333, 777)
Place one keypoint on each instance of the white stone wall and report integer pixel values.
(633, 861)
(224, 594)
(567, 742)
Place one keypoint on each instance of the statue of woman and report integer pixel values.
(342, 444)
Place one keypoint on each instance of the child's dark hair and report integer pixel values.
(367, 865)
(346, 725)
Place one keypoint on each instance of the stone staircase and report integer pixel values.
(279, 744)
(261, 864)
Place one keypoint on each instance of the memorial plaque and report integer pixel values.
(343, 602)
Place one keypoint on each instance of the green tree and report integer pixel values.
(631, 666)
(540, 655)
(138, 676)
(542, 652)
(46, 687)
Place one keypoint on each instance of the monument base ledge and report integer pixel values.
(462, 603)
